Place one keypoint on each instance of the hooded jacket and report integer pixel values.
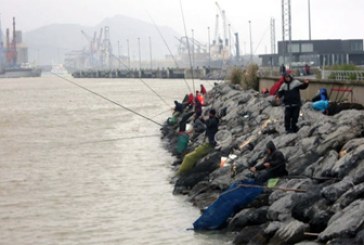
(276, 160)
(291, 92)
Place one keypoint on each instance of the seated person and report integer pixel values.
(274, 165)
(321, 95)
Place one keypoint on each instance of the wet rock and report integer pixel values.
(290, 233)
(298, 163)
(360, 237)
(247, 234)
(337, 139)
(204, 200)
(280, 210)
(345, 164)
(343, 241)
(208, 163)
(351, 195)
(332, 192)
(322, 167)
(309, 243)
(249, 216)
(345, 223)
(272, 228)
(186, 182)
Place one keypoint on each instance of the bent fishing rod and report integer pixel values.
(188, 44)
(169, 50)
(107, 99)
(140, 79)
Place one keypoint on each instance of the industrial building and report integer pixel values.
(317, 53)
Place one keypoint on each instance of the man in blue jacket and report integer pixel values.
(290, 91)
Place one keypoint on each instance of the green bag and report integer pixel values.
(182, 143)
(191, 159)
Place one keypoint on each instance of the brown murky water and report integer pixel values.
(66, 179)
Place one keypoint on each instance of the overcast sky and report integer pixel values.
(330, 18)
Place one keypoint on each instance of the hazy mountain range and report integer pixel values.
(48, 44)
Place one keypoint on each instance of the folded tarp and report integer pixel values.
(191, 159)
(229, 203)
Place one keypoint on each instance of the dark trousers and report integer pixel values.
(291, 115)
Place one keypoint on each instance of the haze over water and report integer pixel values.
(65, 180)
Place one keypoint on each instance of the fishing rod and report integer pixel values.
(107, 99)
(145, 84)
(119, 139)
(169, 50)
(188, 44)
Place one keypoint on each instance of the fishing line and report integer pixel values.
(169, 50)
(188, 45)
(119, 139)
(150, 88)
(107, 99)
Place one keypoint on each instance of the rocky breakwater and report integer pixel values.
(325, 159)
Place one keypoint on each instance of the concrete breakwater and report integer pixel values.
(165, 73)
(325, 159)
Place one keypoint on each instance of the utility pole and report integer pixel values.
(127, 44)
(150, 51)
(140, 55)
(286, 28)
(193, 49)
(119, 53)
(251, 42)
(309, 20)
(209, 44)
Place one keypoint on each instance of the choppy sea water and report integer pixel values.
(66, 177)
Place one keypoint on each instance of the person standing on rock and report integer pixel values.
(290, 91)
(274, 165)
(212, 125)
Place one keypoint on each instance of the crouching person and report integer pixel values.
(274, 165)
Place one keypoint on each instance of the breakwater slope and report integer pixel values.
(319, 202)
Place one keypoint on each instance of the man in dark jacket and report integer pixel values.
(274, 165)
(212, 125)
(290, 91)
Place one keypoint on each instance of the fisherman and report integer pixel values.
(212, 124)
(282, 69)
(178, 107)
(189, 160)
(321, 95)
(200, 98)
(290, 91)
(203, 90)
(274, 165)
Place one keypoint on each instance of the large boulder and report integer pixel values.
(248, 216)
(346, 222)
(290, 232)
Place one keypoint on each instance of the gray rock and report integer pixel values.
(272, 228)
(280, 210)
(290, 233)
(345, 223)
(332, 192)
(345, 164)
(337, 138)
(308, 243)
(322, 167)
(351, 195)
(249, 216)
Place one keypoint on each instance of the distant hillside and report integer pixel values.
(48, 44)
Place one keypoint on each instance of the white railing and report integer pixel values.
(343, 75)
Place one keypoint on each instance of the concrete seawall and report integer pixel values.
(351, 90)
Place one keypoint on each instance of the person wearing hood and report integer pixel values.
(178, 107)
(321, 95)
(290, 92)
(274, 165)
